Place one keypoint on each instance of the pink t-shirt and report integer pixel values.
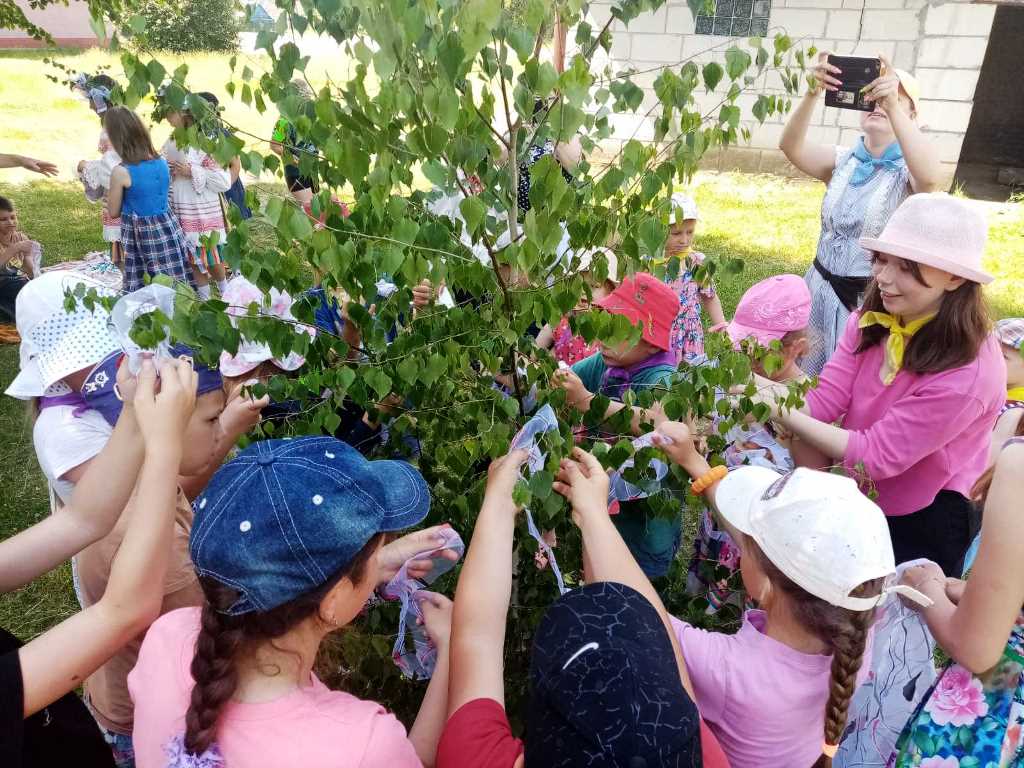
(923, 433)
(311, 727)
(763, 700)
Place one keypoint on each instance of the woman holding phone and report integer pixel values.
(866, 183)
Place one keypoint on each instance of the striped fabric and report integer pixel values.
(847, 214)
(154, 245)
(195, 200)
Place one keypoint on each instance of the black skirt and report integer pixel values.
(941, 532)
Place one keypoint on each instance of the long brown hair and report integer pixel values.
(844, 633)
(128, 135)
(223, 638)
(950, 340)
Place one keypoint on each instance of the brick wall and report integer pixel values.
(942, 43)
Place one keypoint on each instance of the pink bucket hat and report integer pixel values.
(239, 295)
(937, 230)
(770, 309)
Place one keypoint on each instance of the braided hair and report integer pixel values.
(843, 631)
(223, 638)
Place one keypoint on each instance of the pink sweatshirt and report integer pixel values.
(921, 434)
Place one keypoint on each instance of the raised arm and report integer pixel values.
(28, 163)
(99, 498)
(583, 481)
(816, 160)
(920, 154)
(974, 631)
(57, 661)
(477, 653)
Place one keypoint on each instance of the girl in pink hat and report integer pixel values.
(908, 400)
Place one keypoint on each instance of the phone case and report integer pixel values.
(857, 73)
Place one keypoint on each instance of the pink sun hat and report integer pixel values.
(938, 230)
(770, 309)
(239, 295)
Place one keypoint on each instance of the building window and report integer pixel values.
(737, 18)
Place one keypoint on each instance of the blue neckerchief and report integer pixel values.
(867, 166)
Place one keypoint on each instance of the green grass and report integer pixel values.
(771, 223)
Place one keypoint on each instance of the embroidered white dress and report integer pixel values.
(195, 200)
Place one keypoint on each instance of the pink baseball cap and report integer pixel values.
(770, 309)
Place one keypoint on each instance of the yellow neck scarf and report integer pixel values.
(682, 256)
(898, 334)
(1017, 393)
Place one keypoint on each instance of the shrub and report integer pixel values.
(185, 26)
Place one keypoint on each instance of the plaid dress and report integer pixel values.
(152, 240)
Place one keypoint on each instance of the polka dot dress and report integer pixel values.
(523, 191)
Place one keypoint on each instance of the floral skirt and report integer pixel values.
(970, 721)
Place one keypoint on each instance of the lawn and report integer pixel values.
(769, 222)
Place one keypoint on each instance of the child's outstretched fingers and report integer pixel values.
(503, 472)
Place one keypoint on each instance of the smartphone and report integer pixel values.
(857, 73)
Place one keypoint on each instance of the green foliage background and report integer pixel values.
(186, 26)
(447, 89)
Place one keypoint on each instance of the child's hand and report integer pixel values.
(164, 407)
(241, 412)
(576, 394)
(437, 617)
(677, 441)
(503, 473)
(392, 556)
(422, 294)
(127, 382)
(584, 483)
(178, 168)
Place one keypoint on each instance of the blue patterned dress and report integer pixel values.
(848, 213)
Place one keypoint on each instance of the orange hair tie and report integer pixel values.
(708, 479)
(829, 750)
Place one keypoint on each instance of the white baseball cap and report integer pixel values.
(684, 203)
(586, 258)
(818, 529)
(55, 342)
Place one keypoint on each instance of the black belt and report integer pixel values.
(847, 289)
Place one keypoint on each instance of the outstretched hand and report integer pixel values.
(576, 394)
(164, 407)
(38, 166)
(584, 483)
(393, 555)
(241, 412)
(503, 473)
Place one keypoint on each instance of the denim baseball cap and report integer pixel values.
(284, 516)
(605, 688)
